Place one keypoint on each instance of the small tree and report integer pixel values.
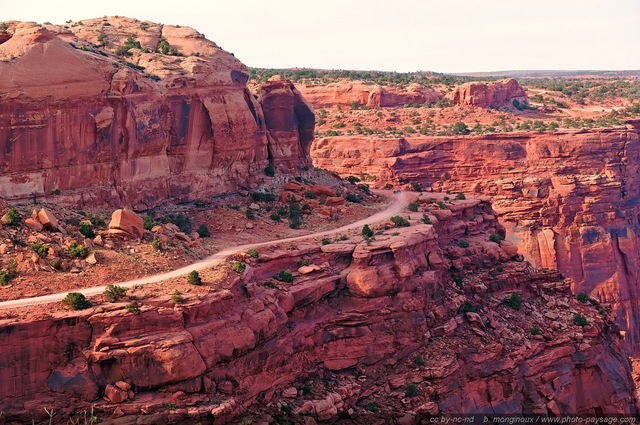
(78, 251)
(515, 301)
(270, 170)
(582, 297)
(579, 320)
(426, 219)
(238, 267)
(367, 232)
(156, 244)
(40, 249)
(203, 231)
(193, 278)
(413, 206)
(113, 293)
(284, 276)
(13, 217)
(76, 301)
(460, 128)
(400, 221)
(494, 237)
(87, 230)
(253, 253)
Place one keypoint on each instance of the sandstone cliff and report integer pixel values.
(410, 325)
(494, 94)
(568, 199)
(114, 111)
(345, 93)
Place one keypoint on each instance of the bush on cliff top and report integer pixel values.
(76, 301)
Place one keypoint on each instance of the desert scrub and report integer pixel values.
(13, 217)
(426, 219)
(238, 267)
(87, 230)
(203, 231)
(253, 253)
(579, 320)
(413, 206)
(284, 276)
(40, 249)
(77, 251)
(156, 244)
(367, 232)
(514, 301)
(76, 301)
(582, 297)
(494, 237)
(176, 297)
(113, 293)
(193, 278)
(400, 221)
(463, 243)
(132, 309)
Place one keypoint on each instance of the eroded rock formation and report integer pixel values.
(413, 323)
(495, 94)
(345, 93)
(570, 200)
(81, 124)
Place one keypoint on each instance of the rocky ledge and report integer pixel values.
(440, 317)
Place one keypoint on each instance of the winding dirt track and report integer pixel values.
(399, 202)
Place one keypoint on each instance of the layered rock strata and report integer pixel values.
(494, 94)
(570, 200)
(119, 112)
(412, 324)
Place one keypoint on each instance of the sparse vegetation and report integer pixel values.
(156, 244)
(270, 170)
(284, 276)
(400, 221)
(193, 278)
(176, 297)
(87, 230)
(413, 206)
(76, 301)
(253, 253)
(535, 330)
(203, 231)
(411, 390)
(238, 267)
(148, 222)
(514, 301)
(13, 217)
(418, 360)
(78, 251)
(579, 320)
(462, 243)
(113, 293)
(40, 249)
(132, 309)
(582, 297)
(326, 241)
(494, 237)
(426, 219)
(367, 233)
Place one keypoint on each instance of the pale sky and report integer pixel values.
(394, 35)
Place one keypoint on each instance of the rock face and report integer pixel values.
(84, 126)
(347, 92)
(495, 94)
(570, 200)
(445, 341)
(290, 121)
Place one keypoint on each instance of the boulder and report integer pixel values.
(47, 219)
(126, 222)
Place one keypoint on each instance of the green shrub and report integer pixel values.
(352, 198)
(13, 217)
(284, 276)
(514, 301)
(579, 320)
(460, 196)
(413, 206)
(467, 307)
(148, 222)
(156, 244)
(203, 231)
(40, 249)
(582, 297)
(253, 253)
(249, 213)
(494, 237)
(77, 251)
(193, 278)
(271, 285)
(113, 293)
(270, 170)
(460, 128)
(442, 205)
(132, 309)
(183, 222)
(263, 197)
(535, 331)
(426, 219)
(459, 281)
(87, 230)
(472, 218)
(275, 217)
(9, 272)
(199, 203)
(326, 241)
(367, 232)
(418, 360)
(352, 179)
(238, 266)
(411, 390)
(462, 243)
(400, 221)
(177, 297)
(76, 301)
